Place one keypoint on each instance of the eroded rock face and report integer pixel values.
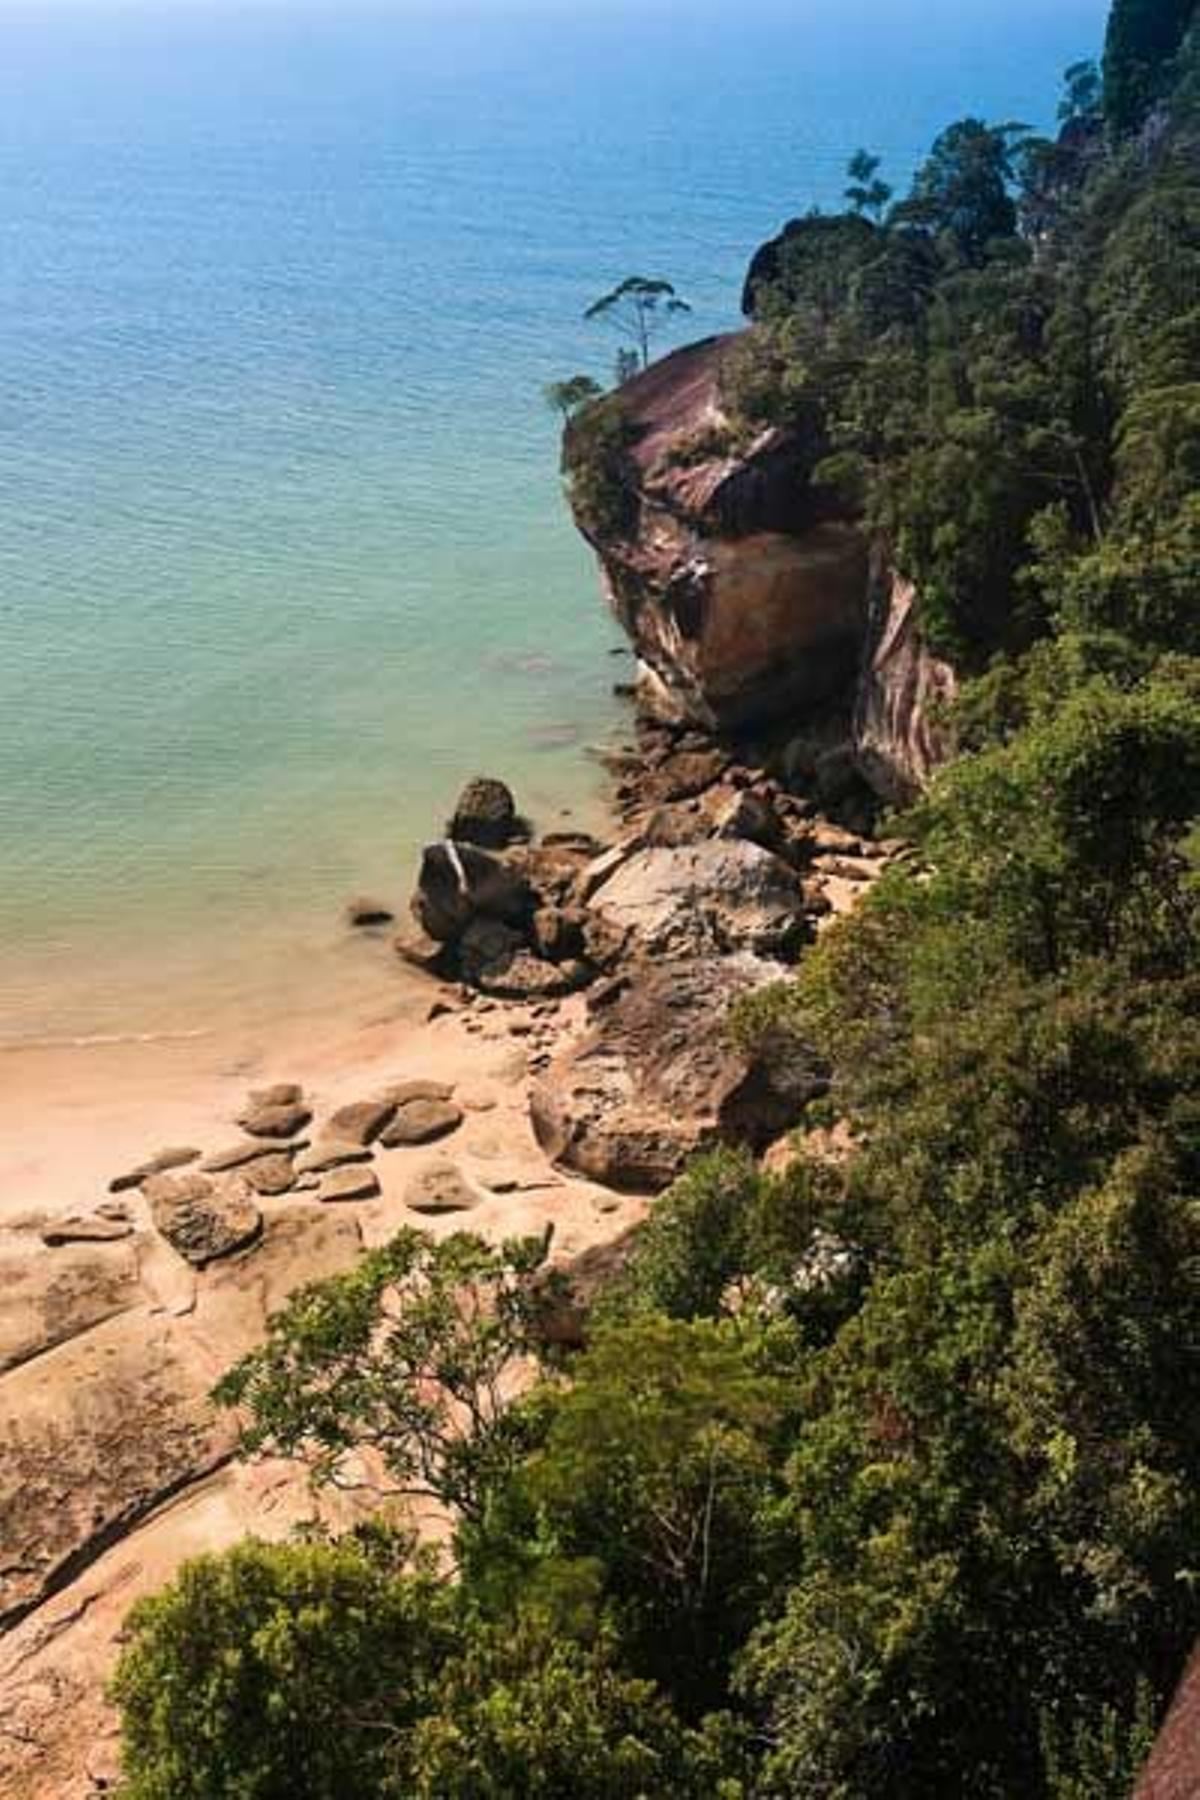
(899, 737)
(656, 1078)
(745, 596)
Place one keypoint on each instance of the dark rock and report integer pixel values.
(363, 911)
(459, 883)
(486, 814)
(487, 946)
(203, 1219)
(361, 1122)
(558, 932)
(567, 1293)
(415, 946)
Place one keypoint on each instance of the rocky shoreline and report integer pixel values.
(575, 995)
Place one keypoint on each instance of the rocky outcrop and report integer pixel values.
(657, 1078)
(900, 733)
(753, 601)
(742, 590)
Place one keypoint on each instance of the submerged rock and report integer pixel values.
(363, 911)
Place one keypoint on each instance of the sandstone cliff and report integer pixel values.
(750, 597)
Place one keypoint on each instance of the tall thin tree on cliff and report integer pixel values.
(638, 307)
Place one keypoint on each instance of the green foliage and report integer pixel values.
(601, 478)
(267, 1674)
(866, 193)
(962, 191)
(528, 1715)
(1142, 37)
(569, 396)
(404, 1358)
(894, 1458)
(653, 1463)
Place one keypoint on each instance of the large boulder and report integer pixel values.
(459, 883)
(713, 897)
(203, 1218)
(741, 585)
(486, 814)
(657, 1077)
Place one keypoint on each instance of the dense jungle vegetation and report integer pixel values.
(879, 1478)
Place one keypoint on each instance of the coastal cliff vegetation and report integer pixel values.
(878, 1475)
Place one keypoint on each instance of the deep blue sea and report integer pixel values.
(282, 552)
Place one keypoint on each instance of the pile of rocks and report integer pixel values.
(718, 877)
(207, 1206)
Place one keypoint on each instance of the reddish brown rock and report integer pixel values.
(361, 1122)
(422, 1122)
(158, 1164)
(349, 1183)
(656, 1078)
(743, 593)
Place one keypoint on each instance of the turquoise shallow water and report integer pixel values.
(282, 557)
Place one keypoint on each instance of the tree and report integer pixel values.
(1083, 93)
(570, 396)
(525, 1713)
(866, 193)
(654, 1464)
(962, 190)
(1142, 37)
(409, 1357)
(277, 1672)
(638, 307)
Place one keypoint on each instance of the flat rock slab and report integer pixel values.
(280, 1093)
(282, 1120)
(49, 1299)
(361, 1122)
(441, 1188)
(422, 1122)
(329, 1153)
(349, 1183)
(237, 1156)
(274, 1173)
(175, 1157)
(201, 1218)
(401, 1092)
(87, 1228)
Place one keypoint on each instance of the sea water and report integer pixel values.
(283, 555)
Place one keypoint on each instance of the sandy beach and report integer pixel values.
(92, 1332)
